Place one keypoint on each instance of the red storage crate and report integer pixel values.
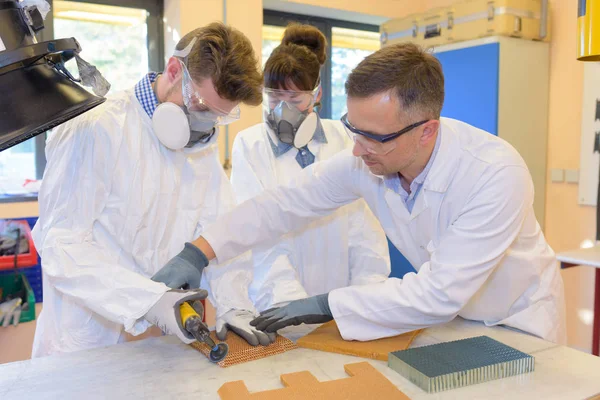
(28, 259)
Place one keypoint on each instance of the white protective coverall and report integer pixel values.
(472, 236)
(345, 248)
(115, 206)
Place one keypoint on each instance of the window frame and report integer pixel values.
(325, 25)
(156, 51)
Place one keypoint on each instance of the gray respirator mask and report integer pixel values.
(201, 130)
(183, 127)
(289, 115)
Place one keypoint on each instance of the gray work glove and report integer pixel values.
(166, 314)
(184, 271)
(312, 310)
(10, 310)
(239, 322)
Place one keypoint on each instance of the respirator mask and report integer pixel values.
(196, 122)
(290, 115)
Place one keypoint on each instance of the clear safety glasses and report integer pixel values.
(196, 104)
(301, 100)
(376, 144)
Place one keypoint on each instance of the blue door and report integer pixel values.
(400, 265)
(471, 85)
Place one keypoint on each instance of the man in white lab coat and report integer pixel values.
(127, 184)
(455, 200)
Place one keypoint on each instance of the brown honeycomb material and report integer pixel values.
(327, 338)
(365, 382)
(240, 351)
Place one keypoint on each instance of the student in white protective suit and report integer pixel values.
(127, 184)
(455, 200)
(345, 248)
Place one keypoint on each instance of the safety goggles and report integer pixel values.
(376, 144)
(197, 105)
(299, 99)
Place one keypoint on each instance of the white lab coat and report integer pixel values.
(115, 206)
(345, 248)
(472, 236)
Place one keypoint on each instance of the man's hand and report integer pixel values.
(166, 312)
(184, 271)
(312, 310)
(239, 322)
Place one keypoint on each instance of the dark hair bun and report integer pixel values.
(307, 36)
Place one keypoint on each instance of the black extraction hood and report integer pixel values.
(37, 93)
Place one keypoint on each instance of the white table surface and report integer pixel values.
(590, 256)
(160, 368)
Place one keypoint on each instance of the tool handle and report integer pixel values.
(187, 312)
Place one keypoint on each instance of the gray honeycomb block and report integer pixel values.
(459, 363)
